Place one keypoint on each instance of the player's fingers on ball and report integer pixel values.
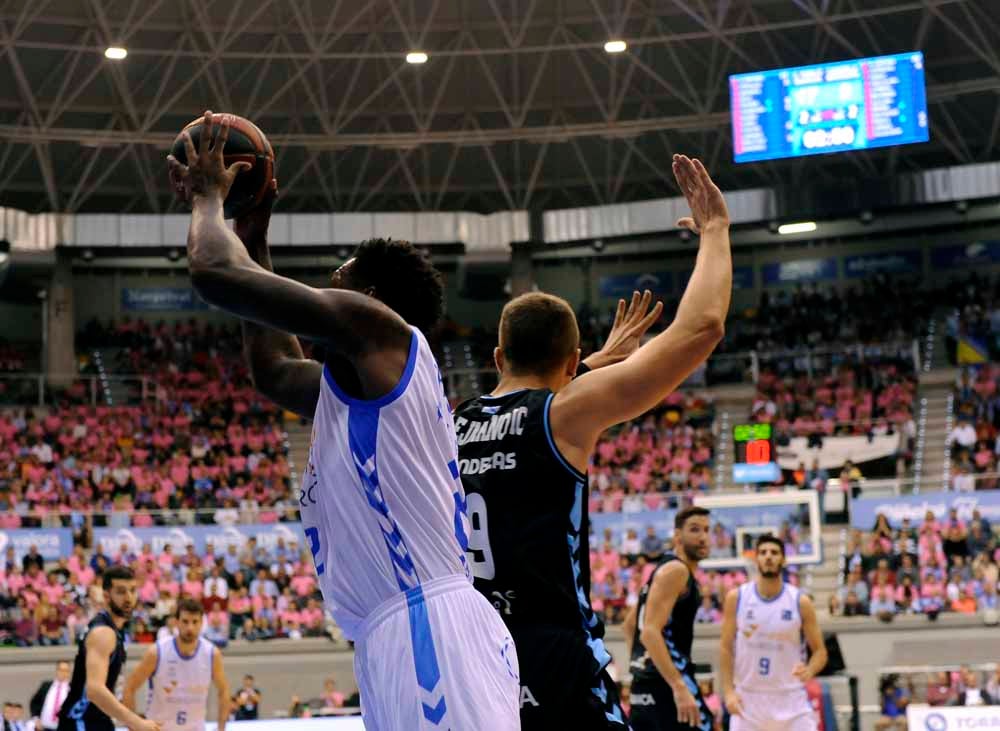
(189, 147)
(238, 167)
(220, 141)
(206, 133)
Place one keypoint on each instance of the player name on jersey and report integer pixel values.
(494, 429)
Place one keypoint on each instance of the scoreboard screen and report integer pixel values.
(755, 457)
(830, 107)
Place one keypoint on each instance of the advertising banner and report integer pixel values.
(110, 539)
(864, 510)
(155, 299)
(803, 270)
(52, 543)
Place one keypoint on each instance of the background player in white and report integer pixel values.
(382, 504)
(761, 655)
(180, 670)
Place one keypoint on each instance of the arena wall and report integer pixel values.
(283, 667)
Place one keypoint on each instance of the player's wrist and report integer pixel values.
(716, 224)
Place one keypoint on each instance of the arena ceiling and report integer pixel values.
(518, 106)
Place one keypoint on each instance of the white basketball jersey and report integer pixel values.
(178, 688)
(768, 640)
(382, 504)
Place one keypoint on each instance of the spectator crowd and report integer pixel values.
(253, 592)
(938, 565)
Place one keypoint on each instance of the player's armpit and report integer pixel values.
(291, 383)
(349, 323)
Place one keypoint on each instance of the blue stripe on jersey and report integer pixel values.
(362, 435)
(596, 645)
(552, 443)
(424, 656)
(79, 708)
(395, 393)
(706, 721)
(615, 714)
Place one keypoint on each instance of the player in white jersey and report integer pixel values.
(180, 670)
(761, 655)
(382, 504)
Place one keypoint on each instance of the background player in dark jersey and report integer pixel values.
(524, 452)
(91, 703)
(660, 631)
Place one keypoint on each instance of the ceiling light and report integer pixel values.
(416, 57)
(797, 228)
(115, 53)
(615, 46)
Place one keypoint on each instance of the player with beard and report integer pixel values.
(91, 703)
(179, 671)
(761, 658)
(660, 632)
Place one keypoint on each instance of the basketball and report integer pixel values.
(246, 143)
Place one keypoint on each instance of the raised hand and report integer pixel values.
(708, 207)
(629, 327)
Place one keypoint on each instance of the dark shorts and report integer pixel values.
(86, 724)
(562, 684)
(653, 707)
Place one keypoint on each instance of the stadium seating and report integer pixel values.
(947, 565)
(253, 595)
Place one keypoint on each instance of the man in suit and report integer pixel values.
(49, 697)
(32, 558)
(12, 713)
(973, 694)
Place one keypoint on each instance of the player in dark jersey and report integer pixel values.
(660, 631)
(523, 456)
(91, 702)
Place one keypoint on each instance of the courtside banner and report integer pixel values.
(865, 509)
(947, 718)
(52, 543)
(219, 537)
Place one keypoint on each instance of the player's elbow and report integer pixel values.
(210, 282)
(711, 329)
(649, 636)
(94, 689)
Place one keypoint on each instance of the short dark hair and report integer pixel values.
(769, 538)
(538, 332)
(115, 572)
(404, 279)
(189, 605)
(692, 511)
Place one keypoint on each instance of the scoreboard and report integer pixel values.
(830, 107)
(755, 457)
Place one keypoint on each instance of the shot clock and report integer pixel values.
(755, 456)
